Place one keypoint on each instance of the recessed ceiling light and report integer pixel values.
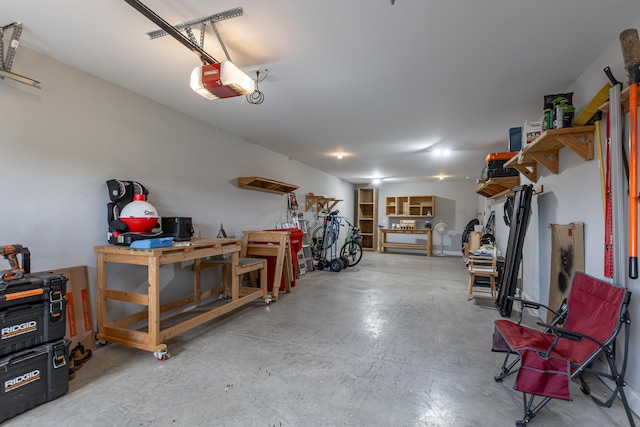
(376, 181)
(441, 152)
(339, 155)
(441, 177)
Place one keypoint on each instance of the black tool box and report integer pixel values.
(33, 288)
(32, 377)
(496, 169)
(27, 325)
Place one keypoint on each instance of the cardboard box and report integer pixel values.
(79, 320)
(567, 257)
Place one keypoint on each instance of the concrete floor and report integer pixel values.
(391, 342)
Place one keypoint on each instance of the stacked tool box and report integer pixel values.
(34, 355)
(494, 167)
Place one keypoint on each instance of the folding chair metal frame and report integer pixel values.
(540, 356)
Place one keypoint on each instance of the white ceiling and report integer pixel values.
(385, 84)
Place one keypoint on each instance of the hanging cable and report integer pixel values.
(257, 97)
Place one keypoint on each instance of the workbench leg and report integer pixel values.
(197, 279)
(101, 286)
(263, 281)
(154, 301)
(235, 282)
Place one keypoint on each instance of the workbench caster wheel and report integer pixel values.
(336, 264)
(101, 343)
(161, 356)
(267, 301)
(224, 296)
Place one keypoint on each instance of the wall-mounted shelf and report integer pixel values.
(545, 150)
(410, 206)
(624, 100)
(264, 184)
(324, 203)
(496, 187)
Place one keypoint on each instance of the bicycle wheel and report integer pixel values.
(352, 251)
(317, 239)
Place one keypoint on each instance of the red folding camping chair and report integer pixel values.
(585, 328)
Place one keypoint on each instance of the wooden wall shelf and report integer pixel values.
(496, 187)
(624, 100)
(545, 150)
(264, 184)
(324, 203)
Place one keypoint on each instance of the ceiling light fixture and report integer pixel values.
(441, 152)
(339, 155)
(376, 181)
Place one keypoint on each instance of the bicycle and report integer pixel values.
(352, 248)
(324, 239)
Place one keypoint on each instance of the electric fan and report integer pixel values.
(441, 228)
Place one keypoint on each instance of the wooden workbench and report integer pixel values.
(417, 231)
(152, 335)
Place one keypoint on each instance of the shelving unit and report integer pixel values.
(265, 184)
(496, 187)
(368, 216)
(423, 206)
(545, 150)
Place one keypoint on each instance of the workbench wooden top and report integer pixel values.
(194, 244)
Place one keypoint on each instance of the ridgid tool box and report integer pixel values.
(32, 305)
(34, 356)
(33, 376)
(33, 288)
(27, 325)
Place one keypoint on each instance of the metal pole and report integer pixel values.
(151, 15)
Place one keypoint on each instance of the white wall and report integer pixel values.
(61, 143)
(574, 195)
(456, 204)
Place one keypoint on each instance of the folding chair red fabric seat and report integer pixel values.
(584, 329)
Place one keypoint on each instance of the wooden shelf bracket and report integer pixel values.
(545, 150)
(324, 203)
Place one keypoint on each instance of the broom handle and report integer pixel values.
(630, 43)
